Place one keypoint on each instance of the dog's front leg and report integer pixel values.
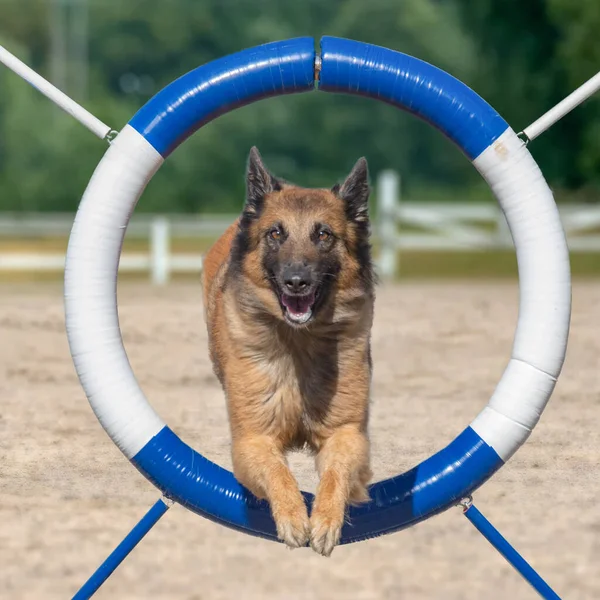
(260, 465)
(343, 465)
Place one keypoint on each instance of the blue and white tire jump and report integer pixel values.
(289, 67)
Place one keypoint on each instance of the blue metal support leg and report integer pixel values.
(494, 537)
(118, 555)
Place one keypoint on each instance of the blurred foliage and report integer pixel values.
(530, 56)
(521, 57)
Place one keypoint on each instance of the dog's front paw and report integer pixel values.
(325, 532)
(293, 527)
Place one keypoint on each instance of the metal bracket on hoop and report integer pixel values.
(111, 135)
(523, 137)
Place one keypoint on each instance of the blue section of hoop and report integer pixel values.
(349, 67)
(220, 86)
(435, 485)
(413, 85)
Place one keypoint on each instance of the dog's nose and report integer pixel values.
(297, 278)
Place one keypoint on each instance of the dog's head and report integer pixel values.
(301, 247)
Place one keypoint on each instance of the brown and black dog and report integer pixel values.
(288, 296)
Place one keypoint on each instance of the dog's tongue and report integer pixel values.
(298, 305)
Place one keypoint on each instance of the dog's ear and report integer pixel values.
(259, 182)
(355, 192)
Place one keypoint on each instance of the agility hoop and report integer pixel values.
(288, 67)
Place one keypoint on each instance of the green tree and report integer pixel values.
(532, 55)
(522, 58)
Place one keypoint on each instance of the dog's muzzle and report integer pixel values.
(298, 292)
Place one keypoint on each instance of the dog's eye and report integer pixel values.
(275, 234)
(324, 235)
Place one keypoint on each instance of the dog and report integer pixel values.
(288, 301)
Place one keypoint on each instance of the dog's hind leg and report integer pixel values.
(343, 464)
(260, 465)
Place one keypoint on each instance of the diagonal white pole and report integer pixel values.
(573, 100)
(69, 105)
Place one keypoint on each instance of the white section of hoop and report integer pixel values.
(85, 117)
(91, 291)
(541, 336)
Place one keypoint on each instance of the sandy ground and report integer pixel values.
(67, 495)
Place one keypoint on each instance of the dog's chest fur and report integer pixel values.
(291, 378)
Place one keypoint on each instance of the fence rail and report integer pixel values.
(398, 226)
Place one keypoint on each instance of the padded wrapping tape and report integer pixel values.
(222, 85)
(436, 484)
(413, 85)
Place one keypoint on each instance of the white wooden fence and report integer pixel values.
(158, 230)
(461, 226)
(398, 226)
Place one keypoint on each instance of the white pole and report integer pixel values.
(388, 196)
(53, 93)
(159, 251)
(573, 100)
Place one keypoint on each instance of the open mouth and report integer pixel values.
(298, 309)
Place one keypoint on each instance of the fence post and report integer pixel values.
(503, 236)
(388, 198)
(159, 251)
